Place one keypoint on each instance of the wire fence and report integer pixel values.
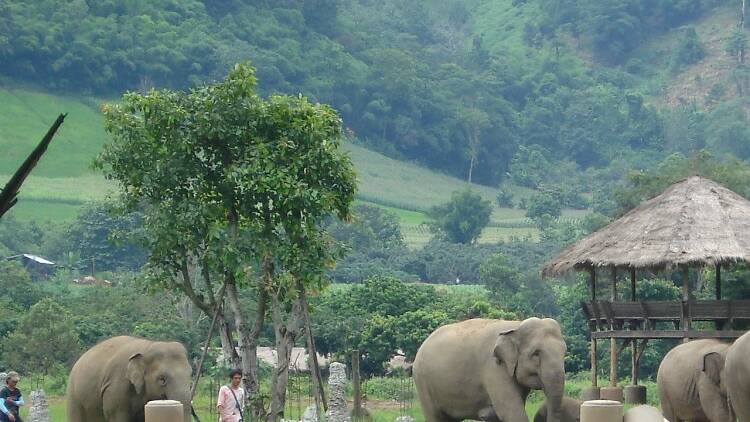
(394, 393)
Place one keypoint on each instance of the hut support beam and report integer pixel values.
(686, 321)
(719, 325)
(613, 341)
(634, 345)
(594, 363)
(718, 281)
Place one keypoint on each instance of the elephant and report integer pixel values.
(737, 376)
(484, 369)
(691, 383)
(571, 411)
(115, 379)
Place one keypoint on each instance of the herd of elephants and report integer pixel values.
(480, 369)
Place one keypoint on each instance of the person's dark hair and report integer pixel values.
(234, 372)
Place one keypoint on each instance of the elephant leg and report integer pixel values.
(741, 407)
(508, 403)
(431, 412)
(118, 416)
(713, 403)
(75, 413)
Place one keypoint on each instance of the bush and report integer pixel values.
(689, 51)
(462, 219)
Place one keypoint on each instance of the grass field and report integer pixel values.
(380, 406)
(63, 180)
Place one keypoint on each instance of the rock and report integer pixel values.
(404, 419)
(38, 412)
(337, 410)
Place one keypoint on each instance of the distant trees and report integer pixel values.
(45, 338)
(404, 84)
(462, 219)
(689, 51)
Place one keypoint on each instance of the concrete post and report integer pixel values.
(164, 411)
(601, 411)
(643, 414)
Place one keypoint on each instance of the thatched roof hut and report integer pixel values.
(694, 222)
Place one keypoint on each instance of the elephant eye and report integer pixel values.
(162, 380)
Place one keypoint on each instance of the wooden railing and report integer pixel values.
(617, 317)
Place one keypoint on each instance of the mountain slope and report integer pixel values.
(64, 180)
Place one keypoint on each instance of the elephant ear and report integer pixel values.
(136, 372)
(713, 363)
(506, 351)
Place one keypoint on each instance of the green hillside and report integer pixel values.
(64, 181)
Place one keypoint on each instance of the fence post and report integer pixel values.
(356, 386)
(601, 411)
(164, 411)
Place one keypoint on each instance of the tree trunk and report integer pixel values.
(286, 334)
(248, 338)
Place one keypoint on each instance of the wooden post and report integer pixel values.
(718, 281)
(356, 387)
(634, 343)
(594, 357)
(613, 341)
(321, 405)
(593, 283)
(686, 320)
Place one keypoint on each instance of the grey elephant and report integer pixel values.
(484, 369)
(571, 411)
(114, 380)
(691, 383)
(737, 377)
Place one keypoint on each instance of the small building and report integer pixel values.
(35, 265)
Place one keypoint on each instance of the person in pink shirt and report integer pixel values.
(231, 401)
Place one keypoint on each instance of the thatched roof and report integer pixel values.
(693, 222)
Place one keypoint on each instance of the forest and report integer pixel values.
(427, 81)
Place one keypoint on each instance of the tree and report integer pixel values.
(500, 278)
(44, 339)
(544, 206)
(463, 217)
(235, 188)
(104, 240)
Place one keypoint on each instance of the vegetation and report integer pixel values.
(462, 219)
(514, 126)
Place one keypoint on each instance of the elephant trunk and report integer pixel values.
(553, 384)
(183, 397)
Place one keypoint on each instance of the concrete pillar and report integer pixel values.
(601, 411)
(611, 393)
(635, 394)
(337, 408)
(644, 414)
(38, 411)
(164, 411)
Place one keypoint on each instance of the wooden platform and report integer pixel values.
(637, 319)
(661, 334)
